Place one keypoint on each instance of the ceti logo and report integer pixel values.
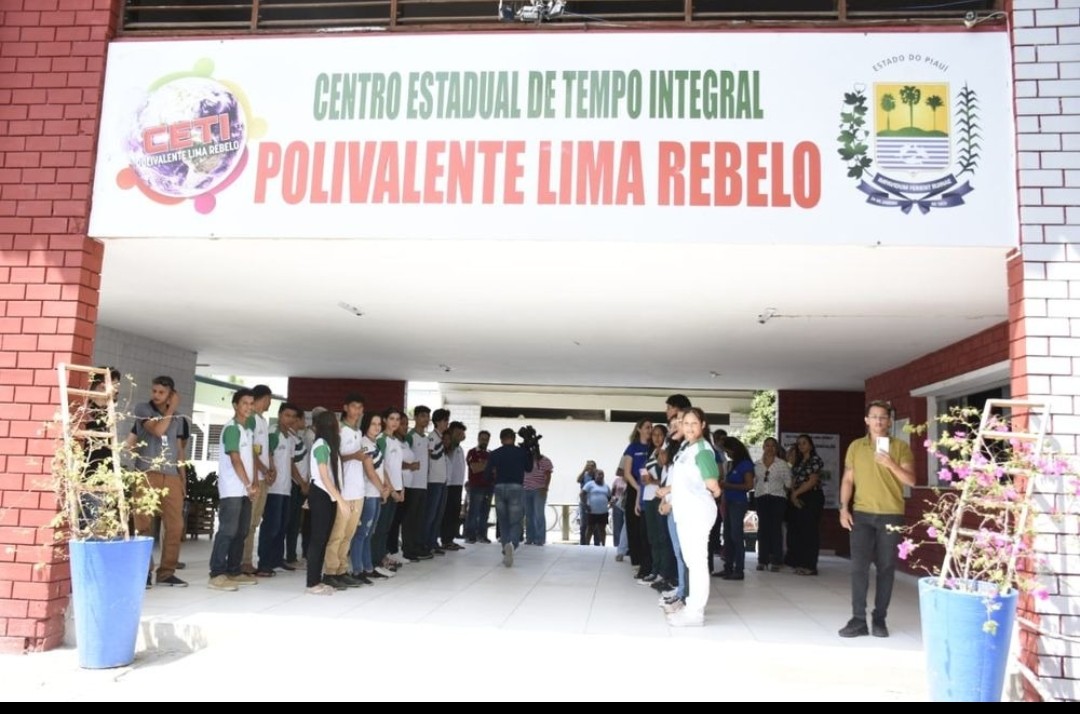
(189, 138)
(915, 130)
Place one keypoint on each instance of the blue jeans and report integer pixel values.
(734, 541)
(436, 502)
(360, 547)
(618, 526)
(275, 522)
(382, 531)
(234, 519)
(476, 525)
(535, 504)
(510, 508)
(680, 565)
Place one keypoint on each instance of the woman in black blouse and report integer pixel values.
(808, 501)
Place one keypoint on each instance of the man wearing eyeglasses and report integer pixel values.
(876, 469)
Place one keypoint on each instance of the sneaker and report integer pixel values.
(674, 606)
(242, 579)
(385, 572)
(508, 555)
(470, 541)
(425, 556)
(293, 564)
(619, 558)
(685, 618)
(647, 580)
(854, 628)
(335, 582)
(349, 581)
(320, 589)
(247, 569)
(172, 581)
(733, 576)
(375, 575)
(878, 628)
(760, 567)
(222, 582)
(288, 568)
(669, 594)
(485, 540)
(660, 585)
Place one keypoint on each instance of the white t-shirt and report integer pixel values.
(437, 459)
(236, 438)
(393, 454)
(689, 494)
(303, 448)
(320, 452)
(457, 469)
(418, 444)
(377, 462)
(282, 450)
(352, 486)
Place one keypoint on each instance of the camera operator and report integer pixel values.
(536, 484)
(508, 464)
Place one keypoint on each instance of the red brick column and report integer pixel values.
(52, 58)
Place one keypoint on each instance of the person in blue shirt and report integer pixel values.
(633, 461)
(736, 486)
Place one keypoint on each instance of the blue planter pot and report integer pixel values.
(964, 663)
(108, 581)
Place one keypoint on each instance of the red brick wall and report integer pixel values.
(980, 350)
(824, 413)
(52, 57)
(311, 392)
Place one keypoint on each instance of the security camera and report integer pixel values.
(970, 20)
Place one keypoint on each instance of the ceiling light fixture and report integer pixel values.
(351, 308)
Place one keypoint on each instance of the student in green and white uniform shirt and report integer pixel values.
(352, 490)
(376, 491)
(694, 483)
(275, 518)
(324, 497)
(392, 450)
(264, 468)
(236, 489)
(298, 527)
(412, 527)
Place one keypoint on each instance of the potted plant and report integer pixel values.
(98, 497)
(979, 529)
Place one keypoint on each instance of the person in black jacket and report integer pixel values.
(507, 466)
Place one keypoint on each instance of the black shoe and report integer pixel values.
(361, 579)
(349, 581)
(761, 566)
(438, 551)
(172, 581)
(660, 585)
(288, 568)
(733, 576)
(878, 628)
(721, 574)
(470, 541)
(149, 581)
(335, 582)
(375, 575)
(854, 628)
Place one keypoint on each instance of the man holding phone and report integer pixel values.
(876, 468)
(159, 441)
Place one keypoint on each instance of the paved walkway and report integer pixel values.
(565, 623)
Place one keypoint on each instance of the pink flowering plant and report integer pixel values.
(982, 512)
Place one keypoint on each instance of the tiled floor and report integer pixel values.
(566, 622)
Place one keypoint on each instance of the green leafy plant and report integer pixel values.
(98, 491)
(854, 134)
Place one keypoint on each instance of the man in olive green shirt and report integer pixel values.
(876, 469)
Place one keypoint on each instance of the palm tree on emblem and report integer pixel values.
(888, 103)
(911, 95)
(934, 102)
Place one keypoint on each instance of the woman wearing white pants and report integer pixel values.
(694, 489)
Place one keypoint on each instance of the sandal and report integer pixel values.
(320, 589)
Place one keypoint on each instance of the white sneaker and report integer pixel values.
(222, 582)
(674, 606)
(508, 555)
(385, 572)
(668, 594)
(685, 618)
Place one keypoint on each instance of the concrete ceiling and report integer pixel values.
(602, 314)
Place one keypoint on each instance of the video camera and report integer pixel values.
(530, 439)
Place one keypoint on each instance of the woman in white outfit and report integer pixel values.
(694, 483)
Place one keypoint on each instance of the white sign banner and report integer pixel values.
(828, 448)
(834, 138)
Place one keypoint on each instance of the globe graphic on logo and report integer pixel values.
(191, 134)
